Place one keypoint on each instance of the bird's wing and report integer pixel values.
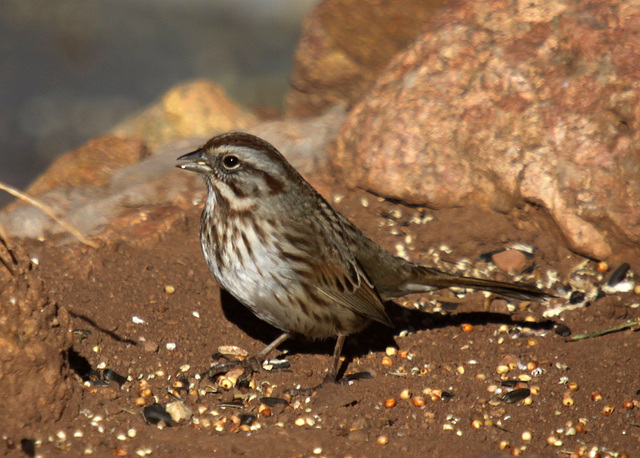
(347, 284)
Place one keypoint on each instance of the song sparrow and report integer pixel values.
(284, 252)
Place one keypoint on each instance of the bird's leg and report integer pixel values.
(332, 374)
(250, 365)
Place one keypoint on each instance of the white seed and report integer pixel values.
(132, 433)
(526, 436)
(196, 314)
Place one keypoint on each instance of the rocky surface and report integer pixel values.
(344, 47)
(499, 103)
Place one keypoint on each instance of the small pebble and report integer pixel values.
(150, 346)
(510, 260)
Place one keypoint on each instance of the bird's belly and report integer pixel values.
(272, 288)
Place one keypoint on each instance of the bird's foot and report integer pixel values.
(346, 380)
(250, 366)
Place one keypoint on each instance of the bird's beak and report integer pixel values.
(197, 162)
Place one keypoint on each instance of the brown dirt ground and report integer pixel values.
(103, 289)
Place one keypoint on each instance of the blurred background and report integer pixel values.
(72, 69)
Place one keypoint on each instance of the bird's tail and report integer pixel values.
(438, 280)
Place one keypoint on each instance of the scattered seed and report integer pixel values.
(382, 440)
(389, 403)
(526, 436)
(595, 396)
(273, 402)
(391, 351)
(476, 424)
(405, 394)
(137, 320)
(502, 369)
(618, 274)
(300, 421)
(503, 445)
(386, 361)
(562, 329)
(628, 405)
(607, 410)
(516, 395)
(170, 346)
(121, 437)
(317, 450)
(155, 413)
(567, 400)
(232, 350)
(418, 401)
(169, 289)
(577, 297)
(602, 267)
(467, 327)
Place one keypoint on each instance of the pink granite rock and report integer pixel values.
(499, 103)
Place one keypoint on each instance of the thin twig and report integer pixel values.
(601, 332)
(36, 203)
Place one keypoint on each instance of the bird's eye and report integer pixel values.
(230, 161)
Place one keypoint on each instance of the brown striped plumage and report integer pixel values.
(276, 245)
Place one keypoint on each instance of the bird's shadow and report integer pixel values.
(377, 337)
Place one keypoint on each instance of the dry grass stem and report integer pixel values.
(36, 203)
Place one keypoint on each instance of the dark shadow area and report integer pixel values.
(375, 338)
(94, 325)
(78, 364)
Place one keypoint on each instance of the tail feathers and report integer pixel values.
(521, 291)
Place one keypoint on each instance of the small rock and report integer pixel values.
(150, 346)
(510, 260)
(178, 411)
